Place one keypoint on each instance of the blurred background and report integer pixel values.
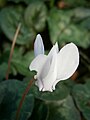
(61, 21)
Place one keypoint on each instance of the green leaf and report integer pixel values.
(74, 3)
(27, 107)
(11, 16)
(22, 63)
(19, 62)
(64, 29)
(3, 70)
(4, 57)
(63, 110)
(24, 1)
(60, 93)
(81, 13)
(86, 23)
(81, 94)
(35, 16)
(82, 17)
(40, 111)
(69, 84)
(10, 94)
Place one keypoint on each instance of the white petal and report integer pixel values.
(47, 64)
(68, 61)
(55, 47)
(40, 84)
(38, 63)
(52, 74)
(48, 61)
(38, 45)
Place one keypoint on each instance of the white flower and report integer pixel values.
(54, 67)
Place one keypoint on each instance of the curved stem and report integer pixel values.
(23, 98)
(12, 49)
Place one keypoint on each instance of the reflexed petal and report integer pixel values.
(54, 48)
(38, 45)
(47, 64)
(68, 61)
(38, 63)
(52, 74)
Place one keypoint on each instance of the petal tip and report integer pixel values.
(38, 35)
(73, 44)
(38, 45)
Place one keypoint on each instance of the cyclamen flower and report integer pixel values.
(54, 67)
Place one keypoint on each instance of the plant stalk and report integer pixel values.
(23, 98)
(12, 49)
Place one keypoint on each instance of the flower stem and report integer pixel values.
(23, 98)
(12, 49)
